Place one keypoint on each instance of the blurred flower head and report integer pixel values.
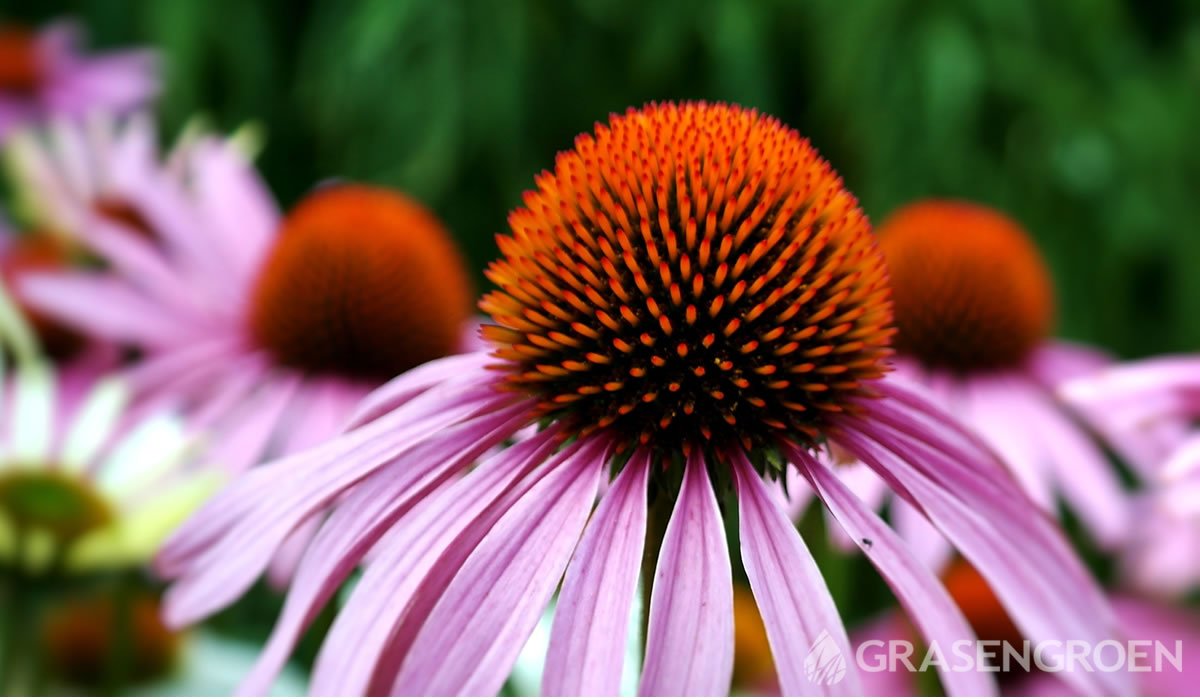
(974, 305)
(263, 329)
(46, 74)
(687, 305)
(82, 486)
(82, 638)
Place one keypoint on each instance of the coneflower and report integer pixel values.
(238, 311)
(974, 308)
(687, 306)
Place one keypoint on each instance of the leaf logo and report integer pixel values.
(825, 664)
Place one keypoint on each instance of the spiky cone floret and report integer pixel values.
(668, 285)
(475, 492)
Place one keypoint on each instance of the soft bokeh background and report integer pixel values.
(1077, 116)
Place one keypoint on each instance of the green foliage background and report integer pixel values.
(1079, 117)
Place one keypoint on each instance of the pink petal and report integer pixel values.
(1058, 361)
(792, 597)
(105, 308)
(285, 562)
(474, 634)
(133, 258)
(1088, 481)
(591, 621)
(689, 643)
(407, 426)
(995, 410)
(424, 552)
(355, 526)
(241, 214)
(917, 589)
(404, 387)
(968, 495)
(154, 370)
(926, 543)
(241, 445)
(230, 566)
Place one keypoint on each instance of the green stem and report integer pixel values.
(657, 517)
(14, 672)
(120, 665)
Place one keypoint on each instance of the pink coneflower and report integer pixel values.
(687, 304)
(263, 330)
(974, 306)
(266, 329)
(45, 74)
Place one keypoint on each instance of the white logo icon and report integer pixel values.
(825, 664)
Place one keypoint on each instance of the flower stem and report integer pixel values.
(15, 670)
(657, 517)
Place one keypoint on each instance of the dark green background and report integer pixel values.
(1078, 117)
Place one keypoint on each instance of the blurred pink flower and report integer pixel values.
(46, 74)
(263, 330)
(683, 399)
(973, 308)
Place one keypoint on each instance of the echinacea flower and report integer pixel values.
(687, 305)
(974, 308)
(81, 487)
(265, 330)
(45, 74)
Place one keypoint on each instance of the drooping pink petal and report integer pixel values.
(929, 546)
(1184, 462)
(591, 621)
(792, 597)
(134, 258)
(242, 444)
(1087, 480)
(399, 390)
(418, 420)
(472, 637)
(689, 641)
(929, 605)
(241, 213)
(230, 566)
(1058, 361)
(995, 411)
(104, 308)
(974, 502)
(291, 552)
(431, 543)
(355, 526)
